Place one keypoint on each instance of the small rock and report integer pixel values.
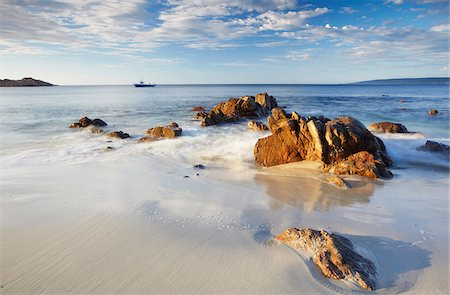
(338, 182)
(197, 109)
(433, 112)
(333, 254)
(85, 121)
(199, 166)
(108, 148)
(388, 127)
(148, 139)
(98, 123)
(170, 131)
(186, 176)
(435, 147)
(118, 134)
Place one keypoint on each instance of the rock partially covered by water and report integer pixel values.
(435, 147)
(338, 182)
(295, 138)
(388, 127)
(433, 112)
(170, 131)
(198, 109)
(333, 254)
(118, 134)
(235, 108)
(85, 122)
(257, 126)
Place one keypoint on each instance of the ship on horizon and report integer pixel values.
(142, 84)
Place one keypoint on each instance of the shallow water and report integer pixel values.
(53, 175)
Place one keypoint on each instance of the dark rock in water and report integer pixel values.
(257, 126)
(85, 122)
(433, 112)
(435, 147)
(197, 109)
(108, 148)
(25, 82)
(388, 127)
(98, 123)
(235, 108)
(118, 134)
(170, 131)
(344, 139)
(186, 176)
(199, 166)
(333, 254)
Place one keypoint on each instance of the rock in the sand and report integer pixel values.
(85, 122)
(388, 127)
(257, 126)
(235, 108)
(433, 112)
(295, 138)
(170, 131)
(338, 182)
(197, 109)
(333, 254)
(118, 134)
(435, 147)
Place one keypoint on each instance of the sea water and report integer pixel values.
(45, 165)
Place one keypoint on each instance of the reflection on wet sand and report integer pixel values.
(313, 194)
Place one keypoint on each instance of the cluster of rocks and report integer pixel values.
(343, 145)
(236, 108)
(84, 122)
(333, 254)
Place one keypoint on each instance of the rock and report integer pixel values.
(148, 139)
(321, 139)
(338, 182)
(435, 147)
(170, 131)
(108, 148)
(257, 126)
(333, 254)
(388, 127)
(98, 123)
(199, 166)
(235, 108)
(25, 82)
(433, 112)
(85, 122)
(200, 116)
(197, 109)
(118, 134)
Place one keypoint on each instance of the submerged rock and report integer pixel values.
(388, 127)
(257, 126)
(199, 166)
(435, 147)
(333, 255)
(85, 122)
(170, 131)
(433, 112)
(295, 138)
(118, 134)
(235, 108)
(197, 109)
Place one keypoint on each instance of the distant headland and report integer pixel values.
(407, 81)
(25, 82)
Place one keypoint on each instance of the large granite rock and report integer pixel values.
(388, 127)
(330, 142)
(235, 108)
(333, 255)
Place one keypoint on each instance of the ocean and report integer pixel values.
(52, 175)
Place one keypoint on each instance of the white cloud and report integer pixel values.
(396, 2)
(441, 28)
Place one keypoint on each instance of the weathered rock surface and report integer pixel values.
(118, 134)
(338, 182)
(85, 122)
(170, 131)
(433, 112)
(25, 82)
(331, 142)
(257, 126)
(388, 127)
(435, 147)
(235, 108)
(333, 255)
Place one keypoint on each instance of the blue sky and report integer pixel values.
(223, 41)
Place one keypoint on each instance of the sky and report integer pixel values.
(103, 42)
